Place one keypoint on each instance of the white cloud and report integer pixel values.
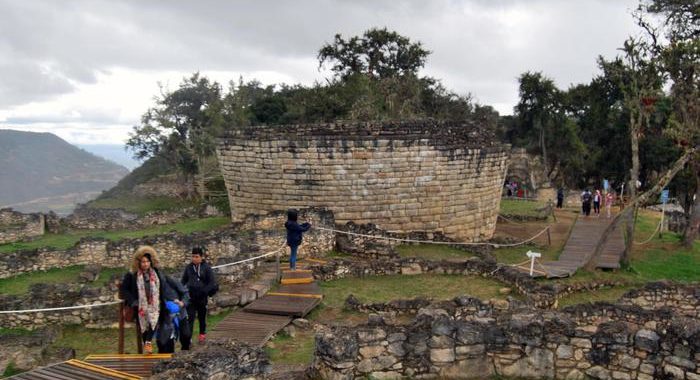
(87, 70)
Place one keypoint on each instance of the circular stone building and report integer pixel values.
(406, 176)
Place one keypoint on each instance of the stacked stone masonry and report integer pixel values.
(253, 236)
(403, 177)
(16, 226)
(464, 339)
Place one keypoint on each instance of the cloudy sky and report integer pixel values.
(87, 70)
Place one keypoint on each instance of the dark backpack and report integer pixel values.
(587, 197)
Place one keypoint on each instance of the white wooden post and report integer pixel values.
(532, 256)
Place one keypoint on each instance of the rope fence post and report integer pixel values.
(549, 237)
(121, 329)
(277, 262)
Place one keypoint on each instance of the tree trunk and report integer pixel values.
(543, 147)
(634, 178)
(693, 227)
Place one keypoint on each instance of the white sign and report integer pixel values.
(532, 256)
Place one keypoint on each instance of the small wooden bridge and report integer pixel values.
(585, 236)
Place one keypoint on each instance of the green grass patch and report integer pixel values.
(68, 240)
(142, 205)
(20, 284)
(4, 331)
(283, 349)
(11, 370)
(387, 288)
(516, 255)
(432, 251)
(599, 295)
(521, 208)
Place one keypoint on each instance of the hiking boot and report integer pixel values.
(202, 338)
(147, 348)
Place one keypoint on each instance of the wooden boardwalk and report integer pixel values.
(579, 248)
(135, 364)
(75, 370)
(297, 295)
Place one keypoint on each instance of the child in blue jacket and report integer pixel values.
(294, 235)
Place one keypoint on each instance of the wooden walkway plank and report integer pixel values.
(579, 249)
(254, 329)
(75, 370)
(136, 364)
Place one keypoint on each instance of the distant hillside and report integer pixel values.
(40, 171)
(114, 153)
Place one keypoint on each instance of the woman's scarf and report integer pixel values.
(149, 301)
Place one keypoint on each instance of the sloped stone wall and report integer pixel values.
(16, 226)
(403, 177)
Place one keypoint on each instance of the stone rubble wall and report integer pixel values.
(228, 360)
(403, 177)
(246, 239)
(86, 218)
(463, 339)
(16, 226)
(681, 299)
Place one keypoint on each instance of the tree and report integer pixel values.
(680, 61)
(182, 125)
(378, 53)
(638, 76)
(541, 124)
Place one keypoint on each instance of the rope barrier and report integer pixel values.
(59, 308)
(658, 227)
(250, 259)
(495, 245)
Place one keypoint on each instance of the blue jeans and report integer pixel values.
(293, 257)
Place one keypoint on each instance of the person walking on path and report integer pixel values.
(586, 198)
(597, 199)
(560, 197)
(294, 235)
(146, 289)
(200, 281)
(609, 199)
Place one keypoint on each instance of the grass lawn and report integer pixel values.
(607, 294)
(516, 255)
(387, 288)
(142, 205)
(522, 208)
(68, 240)
(20, 284)
(283, 349)
(432, 251)
(105, 341)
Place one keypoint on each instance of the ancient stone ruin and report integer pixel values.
(403, 177)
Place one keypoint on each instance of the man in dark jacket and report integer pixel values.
(294, 235)
(199, 279)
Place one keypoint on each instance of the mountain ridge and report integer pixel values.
(41, 165)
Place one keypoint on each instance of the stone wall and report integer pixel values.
(86, 218)
(403, 177)
(16, 226)
(682, 299)
(253, 236)
(467, 340)
(228, 360)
